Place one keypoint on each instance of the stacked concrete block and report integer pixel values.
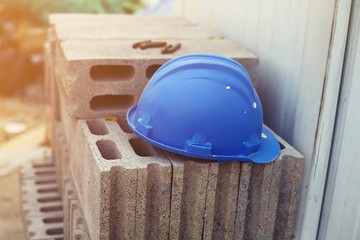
(107, 78)
(126, 187)
(74, 225)
(123, 194)
(239, 200)
(43, 206)
(41, 202)
(61, 155)
(102, 74)
(125, 27)
(114, 185)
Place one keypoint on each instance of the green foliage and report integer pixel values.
(42, 8)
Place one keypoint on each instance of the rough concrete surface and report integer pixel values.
(60, 155)
(122, 193)
(46, 215)
(74, 223)
(128, 195)
(98, 27)
(42, 211)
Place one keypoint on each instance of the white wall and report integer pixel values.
(341, 211)
(294, 42)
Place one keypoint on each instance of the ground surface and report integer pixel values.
(11, 225)
(32, 113)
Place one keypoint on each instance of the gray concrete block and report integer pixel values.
(243, 201)
(289, 195)
(259, 204)
(117, 19)
(41, 202)
(236, 200)
(123, 184)
(39, 170)
(80, 231)
(74, 223)
(41, 228)
(128, 189)
(194, 198)
(100, 78)
(226, 200)
(60, 154)
(82, 26)
(266, 203)
(69, 194)
(35, 209)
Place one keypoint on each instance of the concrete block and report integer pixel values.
(118, 19)
(69, 194)
(33, 209)
(47, 70)
(41, 228)
(236, 200)
(193, 197)
(42, 170)
(45, 215)
(79, 231)
(122, 183)
(226, 200)
(268, 196)
(74, 223)
(243, 200)
(100, 27)
(197, 199)
(289, 195)
(100, 78)
(60, 155)
(42, 210)
(38, 190)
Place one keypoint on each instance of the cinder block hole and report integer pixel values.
(44, 182)
(142, 148)
(47, 190)
(97, 127)
(51, 209)
(108, 149)
(112, 72)
(43, 165)
(55, 231)
(53, 220)
(124, 125)
(111, 102)
(151, 70)
(49, 172)
(48, 199)
(78, 236)
(281, 146)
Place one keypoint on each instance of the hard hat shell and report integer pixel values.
(204, 106)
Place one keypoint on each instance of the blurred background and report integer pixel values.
(23, 31)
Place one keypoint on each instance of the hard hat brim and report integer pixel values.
(268, 152)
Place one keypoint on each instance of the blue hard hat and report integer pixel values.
(204, 106)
